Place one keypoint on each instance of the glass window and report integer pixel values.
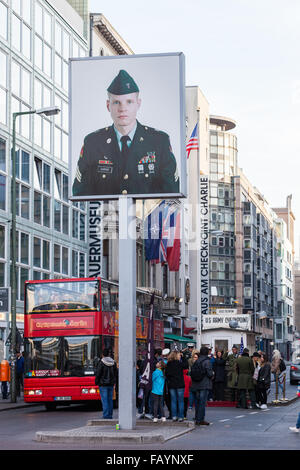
(25, 200)
(26, 11)
(3, 67)
(25, 162)
(58, 38)
(37, 252)
(46, 178)
(65, 219)
(38, 52)
(25, 92)
(47, 27)
(47, 60)
(26, 41)
(2, 154)
(24, 276)
(74, 263)
(2, 192)
(2, 106)
(47, 135)
(16, 34)
(2, 241)
(3, 21)
(57, 216)
(46, 211)
(74, 356)
(24, 248)
(65, 260)
(38, 18)
(46, 254)
(37, 207)
(57, 258)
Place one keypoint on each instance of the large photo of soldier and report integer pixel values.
(126, 157)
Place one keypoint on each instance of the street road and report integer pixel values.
(231, 429)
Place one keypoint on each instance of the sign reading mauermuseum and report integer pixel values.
(222, 321)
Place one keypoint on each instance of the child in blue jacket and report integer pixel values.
(158, 382)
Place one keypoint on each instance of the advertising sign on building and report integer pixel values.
(204, 244)
(222, 321)
(127, 127)
(95, 237)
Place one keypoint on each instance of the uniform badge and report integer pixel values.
(140, 168)
(105, 166)
(151, 167)
(149, 158)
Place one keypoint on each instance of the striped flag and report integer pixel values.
(193, 142)
(242, 346)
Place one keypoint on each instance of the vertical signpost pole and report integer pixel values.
(127, 313)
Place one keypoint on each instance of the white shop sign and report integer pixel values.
(222, 321)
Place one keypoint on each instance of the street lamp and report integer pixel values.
(50, 111)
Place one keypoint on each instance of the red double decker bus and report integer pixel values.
(67, 324)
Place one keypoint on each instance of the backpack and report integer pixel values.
(282, 365)
(197, 371)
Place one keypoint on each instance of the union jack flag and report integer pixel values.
(193, 142)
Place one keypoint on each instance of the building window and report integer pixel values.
(61, 260)
(78, 264)
(62, 54)
(61, 130)
(41, 258)
(42, 124)
(41, 181)
(79, 221)
(61, 208)
(43, 40)
(20, 25)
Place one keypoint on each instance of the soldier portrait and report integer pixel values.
(127, 157)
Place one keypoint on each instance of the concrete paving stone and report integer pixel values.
(104, 431)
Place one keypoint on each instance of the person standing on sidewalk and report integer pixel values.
(158, 383)
(201, 374)
(263, 381)
(231, 358)
(277, 368)
(20, 373)
(174, 375)
(245, 369)
(297, 427)
(106, 379)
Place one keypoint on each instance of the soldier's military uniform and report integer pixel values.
(148, 166)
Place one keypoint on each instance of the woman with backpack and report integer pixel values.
(201, 374)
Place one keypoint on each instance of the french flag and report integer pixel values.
(173, 244)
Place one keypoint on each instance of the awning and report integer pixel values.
(180, 339)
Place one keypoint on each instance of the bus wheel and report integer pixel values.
(50, 406)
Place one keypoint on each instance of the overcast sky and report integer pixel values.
(245, 57)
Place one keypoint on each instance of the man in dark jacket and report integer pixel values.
(106, 378)
(245, 370)
(202, 374)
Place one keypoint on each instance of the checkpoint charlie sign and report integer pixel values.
(210, 322)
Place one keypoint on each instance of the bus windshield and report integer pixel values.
(62, 296)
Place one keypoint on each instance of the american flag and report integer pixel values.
(193, 142)
(242, 346)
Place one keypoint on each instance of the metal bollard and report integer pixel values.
(284, 388)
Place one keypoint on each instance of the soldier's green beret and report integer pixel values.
(123, 84)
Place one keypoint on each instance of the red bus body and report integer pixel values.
(69, 342)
